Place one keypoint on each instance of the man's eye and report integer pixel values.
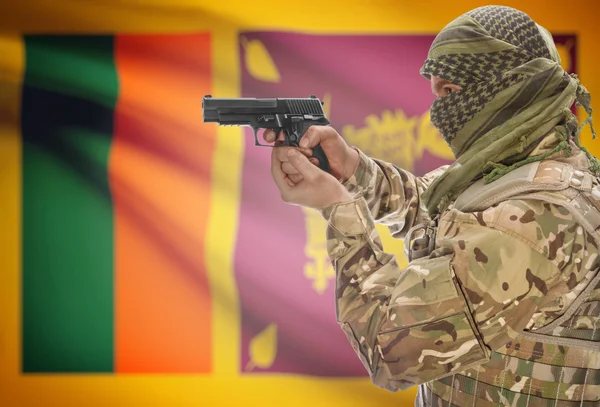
(448, 91)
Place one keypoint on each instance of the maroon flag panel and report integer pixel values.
(375, 97)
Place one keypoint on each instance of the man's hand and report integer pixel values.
(343, 160)
(317, 189)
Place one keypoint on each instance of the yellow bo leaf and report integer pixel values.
(263, 348)
(564, 51)
(259, 62)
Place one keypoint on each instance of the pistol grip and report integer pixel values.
(293, 137)
(319, 154)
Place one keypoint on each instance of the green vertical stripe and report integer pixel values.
(69, 94)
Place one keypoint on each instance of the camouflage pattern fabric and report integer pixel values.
(514, 93)
(453, 322)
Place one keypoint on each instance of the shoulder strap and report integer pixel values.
(533, 177)
(550, 181)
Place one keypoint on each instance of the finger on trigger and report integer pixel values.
(270, 135)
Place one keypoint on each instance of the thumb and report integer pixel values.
(311, 138)
(300, 162)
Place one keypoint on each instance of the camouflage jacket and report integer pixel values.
(495, 273)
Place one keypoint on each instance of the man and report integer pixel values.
(500, 302)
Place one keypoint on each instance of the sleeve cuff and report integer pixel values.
(364, 173)
(349, 218)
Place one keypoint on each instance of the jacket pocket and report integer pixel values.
(429, 332)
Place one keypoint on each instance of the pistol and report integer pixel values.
(292, 116)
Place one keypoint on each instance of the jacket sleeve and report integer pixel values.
(446, 312)
(393, 195)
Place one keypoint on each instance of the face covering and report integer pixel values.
(515, 92)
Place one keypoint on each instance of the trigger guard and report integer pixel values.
(255, 131)
(256, 142)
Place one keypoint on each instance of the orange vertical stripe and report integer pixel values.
(160, 180)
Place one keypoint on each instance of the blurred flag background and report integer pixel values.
(147, 258)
